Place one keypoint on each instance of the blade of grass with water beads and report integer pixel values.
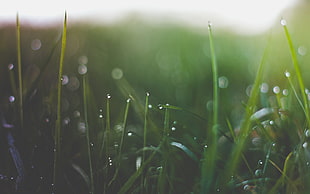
(57, 135)
(121, 146)
(210, 154)
(297, 71)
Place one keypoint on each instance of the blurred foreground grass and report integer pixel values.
(114, 63)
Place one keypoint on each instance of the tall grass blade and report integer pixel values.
(57, 135)
(210, 154)
(297, 71)
(121, 146)
(106, 142)
(85, 93)
(146, 108)
(245, 129)
(20, 78)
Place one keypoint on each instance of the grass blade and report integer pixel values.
(85, 92)
(20, 78)
(121, 142)
(57, 138)
(297, 71)
(209, 161)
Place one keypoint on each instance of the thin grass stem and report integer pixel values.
(297, 71)
(57, 136)
(85, 92)
(20, 78)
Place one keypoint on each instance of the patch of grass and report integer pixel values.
(144, 148)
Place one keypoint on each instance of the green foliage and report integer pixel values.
(240, 137)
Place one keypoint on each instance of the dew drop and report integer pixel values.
(108, 96)
(209, 25)
(223, 82)
(258, 172)
(260, 162)
(76, 114)
(206, 146)
(307, 133)
(91, 144)
(283, 22)
(285, 92)
(147, 94)
(264, 88)
(173, 128)
(150, 106)
(160, 107)
(302, 50)
(117, 73)
(82, 69)
(129, 134)
(11, 99)
(100, 116)
(305, 145)
(246, 187)
(287, 74)
(138, 162)
(64, 80)
(276, 89)
(128, 100)
(11, 66)
(83, 60)
(66, 121)
(81, 127)
(36, 44)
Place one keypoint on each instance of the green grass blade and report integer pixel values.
(106, 142)
(246, 125)
(20, 78)
(297, 71)
(121, 146)
(85, 93)
(57, 135)
(210, 154)
(146, 108)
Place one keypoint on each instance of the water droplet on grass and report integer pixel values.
(283, 22)
(260, 162)
(82, 69)
(36, 44)
(285, 92)
(11, 99)
(258, 172)
(264, 88)
(128, 100)
(76, 114)
(173, 128)
(91, 144)
(150, 106)
(129, 134)
(160, 107)
(276, 90)
(209, 25)
(11, 66)
(307, 133)
(108, 96)
(117, 73)
(302, 50)
(64, 80)
(287, 74)
(223, 82)
(83, 60)
(305, 145)
(147, 94)
(100, 116)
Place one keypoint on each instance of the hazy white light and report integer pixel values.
(238, 14)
